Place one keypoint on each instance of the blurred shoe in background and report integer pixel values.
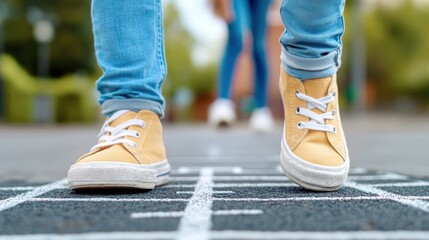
(222, 113)
(261, 120)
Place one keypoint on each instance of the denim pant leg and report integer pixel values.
(312, 39)
(129, 46)
(258, 26)
(233, 48)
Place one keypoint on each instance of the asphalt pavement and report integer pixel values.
(225, 185)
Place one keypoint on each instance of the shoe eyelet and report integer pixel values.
(334, 130)
(297, 92)
(299, 125)
(297, 110)
(137, 135)
(333, 113)
(334, 93)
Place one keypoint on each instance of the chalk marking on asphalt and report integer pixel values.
(387, 197)
(27, 196)
(389, 176)
(358, 171)
(402, 184)
(243, 185)
(177, 186)
(196, 221)
(322, 198)
(171, 214)
(416, 203)
(109, 200)
(27, 188)
(181, 213)
(219, 235)
(182, 170)
(218, 192)
(237, 170)
(16, 188)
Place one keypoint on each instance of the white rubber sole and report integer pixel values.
(118, 175)
(312, 176)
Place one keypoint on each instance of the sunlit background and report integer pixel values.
(48, 67)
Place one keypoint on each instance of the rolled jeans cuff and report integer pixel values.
(309, 68)
(112, 105)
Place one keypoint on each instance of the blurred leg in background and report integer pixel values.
(247, 15)
(314, 152)
(261, 118)
(129, 46)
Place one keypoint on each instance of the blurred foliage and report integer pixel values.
(72, 47)
(183, 72)
(397, 52)
(71, 95)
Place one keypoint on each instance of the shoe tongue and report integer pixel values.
(317, 88)
(124, 117)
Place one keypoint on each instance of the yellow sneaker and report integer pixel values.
(130, 154)
(313, 151)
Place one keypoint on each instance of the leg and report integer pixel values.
(314, 151)
(312, 39)
(261, 118)
(221, 112)
(259, 10)
(233, 48)
(129, 48)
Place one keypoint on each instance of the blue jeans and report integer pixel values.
(252, 15)
(130, 48)
(312, 39)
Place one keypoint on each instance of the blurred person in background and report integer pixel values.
(243, 16)
(129, 46)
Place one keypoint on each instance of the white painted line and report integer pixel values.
(180, 213)
(178, 186)
(387, 197)
(219, 235)
(109, 200)
(373, 235)
(196, 220)
(16, 188)
(219, 192)
(157, 214)
(237, 170)
(389, 176)
(24, 197)
(258, 185)
(27, 188)
(182, 170)
(320, 199)
(238, 212)
(358, 170)
(402, 184)
(235, 178)
(416, 203)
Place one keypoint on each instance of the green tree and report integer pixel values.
(72, 47)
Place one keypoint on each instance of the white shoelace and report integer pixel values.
(109, 136)
(317, 121)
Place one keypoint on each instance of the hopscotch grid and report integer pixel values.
(32, 192)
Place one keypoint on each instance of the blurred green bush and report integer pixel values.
(72, 96)
(397, 54)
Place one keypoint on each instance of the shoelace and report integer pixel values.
(317, 121)
(109, 136)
